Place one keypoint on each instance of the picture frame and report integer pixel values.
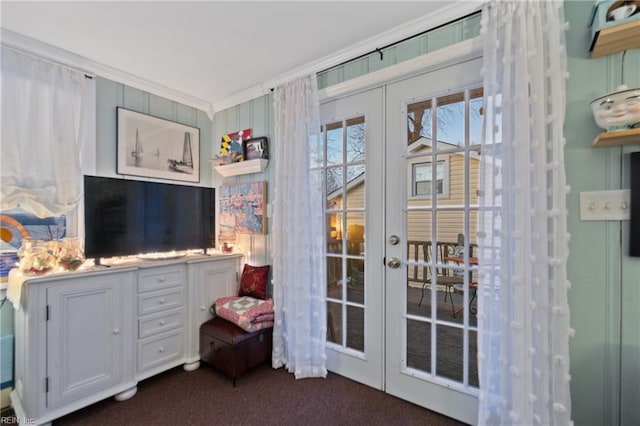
(153, 147)
(255, 148)
(231, 147)
(243, 207)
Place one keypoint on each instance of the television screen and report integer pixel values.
(129, 217)
(634, 226)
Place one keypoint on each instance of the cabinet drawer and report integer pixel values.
(157, 278)
(155, 351)
(160, 301)
(164, 321)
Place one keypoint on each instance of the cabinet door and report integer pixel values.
(88, 336)
(210, 280)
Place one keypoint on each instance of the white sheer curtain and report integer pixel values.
(46, 113)
(298, 256)
(523, 319)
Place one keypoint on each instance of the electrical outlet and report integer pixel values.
(605, 205)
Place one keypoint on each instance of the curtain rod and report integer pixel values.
(379, 50)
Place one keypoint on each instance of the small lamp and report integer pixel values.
(333, 232)
(227, 239)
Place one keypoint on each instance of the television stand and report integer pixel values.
(136, 321)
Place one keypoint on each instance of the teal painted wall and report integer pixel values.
(6, 316)
(256, 115)
(110, 95)
(605, 293)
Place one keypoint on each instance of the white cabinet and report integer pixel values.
(207, 282)
(85, 336)
(161, 319)
(74, 342)
(90, 337)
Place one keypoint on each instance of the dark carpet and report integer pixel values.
(263, 396)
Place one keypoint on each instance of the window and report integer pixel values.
(421, 177)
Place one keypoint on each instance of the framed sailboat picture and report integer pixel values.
(153, 147)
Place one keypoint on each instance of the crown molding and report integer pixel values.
(46, 51)
(449, 13)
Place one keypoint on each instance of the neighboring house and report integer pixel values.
(450, 191)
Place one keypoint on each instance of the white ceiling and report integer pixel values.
(212, 51)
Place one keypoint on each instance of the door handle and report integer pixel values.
(393, 263)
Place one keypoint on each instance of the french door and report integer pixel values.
(433, 133)
(353, 165)
(401, 167)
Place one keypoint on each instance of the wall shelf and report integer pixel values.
(242, 168)
(617, 38)
(622, 137)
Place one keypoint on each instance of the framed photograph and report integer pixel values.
(242, 207)
(153, 147)
(255, 148)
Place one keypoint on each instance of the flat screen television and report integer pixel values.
(634, 226)
(129, 217)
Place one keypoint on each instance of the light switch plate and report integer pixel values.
(605, 205)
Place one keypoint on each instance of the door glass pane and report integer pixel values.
(450, 228)
(355, 328)
(473, 359)
(355, 280)
(449, 353)
(335, 144)
(419, 345)
(334, 322)
(419, 125)
(355, 233)
(334, 188)
(475, 117)
(450, 119)
(334, 240)
(355, 187)
(418, 301)
(355, 140)
(334, 277)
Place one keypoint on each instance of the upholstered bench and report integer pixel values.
(229, 348)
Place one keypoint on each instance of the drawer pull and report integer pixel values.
(116, 331)
(162, 322)
(161, 301)
(161, 349)
(202, 308)
(161, 279)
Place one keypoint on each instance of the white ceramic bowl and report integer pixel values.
(619, 110)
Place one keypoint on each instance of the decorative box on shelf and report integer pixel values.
(242, 167)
